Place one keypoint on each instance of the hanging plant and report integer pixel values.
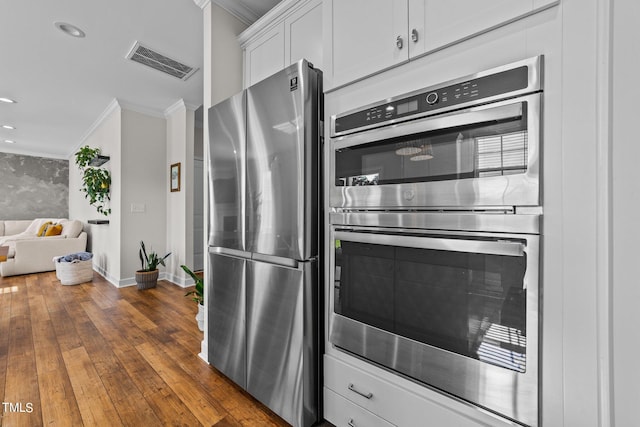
(96, 181)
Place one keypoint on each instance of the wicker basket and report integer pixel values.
(146, 279)
(74, 272)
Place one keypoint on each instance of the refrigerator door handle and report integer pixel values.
(230, 252)
(276, 260)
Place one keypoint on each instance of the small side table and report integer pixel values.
(4, 250)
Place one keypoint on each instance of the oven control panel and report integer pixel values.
(431, 100)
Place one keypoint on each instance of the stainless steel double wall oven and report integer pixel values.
(436, 221)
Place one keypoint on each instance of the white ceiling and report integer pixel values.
(62, 84)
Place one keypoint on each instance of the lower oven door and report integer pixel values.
(456, 311)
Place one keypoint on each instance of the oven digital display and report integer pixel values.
(407, 107)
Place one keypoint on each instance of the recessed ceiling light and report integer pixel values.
(72, 30)
(9, 141)
(8, 127)
(7, 100)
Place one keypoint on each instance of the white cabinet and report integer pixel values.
(438, 23)
(361, 393)
(289, 32)
(342, 412)
(363, 37)
(264, 55)
(303, 35)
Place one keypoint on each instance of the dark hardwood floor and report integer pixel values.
(95, 355)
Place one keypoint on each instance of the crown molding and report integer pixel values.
(280, 10)
(191, 107)
(202, 3)
(113, 106)
(240, 11)
(176, 106)
(141, 109)
(19, 152)
(180, 104)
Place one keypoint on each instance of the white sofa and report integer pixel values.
(29, 253)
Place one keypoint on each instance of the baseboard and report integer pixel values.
(115, 282)
(178, 281)
(204, 351)
(131, 281)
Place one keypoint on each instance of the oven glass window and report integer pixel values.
(475, 151)
(472, 304)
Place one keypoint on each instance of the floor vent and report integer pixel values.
(147, 56)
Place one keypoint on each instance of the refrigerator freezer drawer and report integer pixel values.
(226, 306)
(282, 353)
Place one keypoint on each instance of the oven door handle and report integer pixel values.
(470, 116)
(489, 247)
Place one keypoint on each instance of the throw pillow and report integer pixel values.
(43, 228)
(53, 230)
(71, 228)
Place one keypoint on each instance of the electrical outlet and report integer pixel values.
(137, 207)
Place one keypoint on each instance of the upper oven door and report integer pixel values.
(487, 155)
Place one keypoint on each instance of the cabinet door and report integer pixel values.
(264, 56)
(303, 35)
(364, 37)
(438, 23)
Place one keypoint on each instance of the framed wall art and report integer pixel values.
(174, 173)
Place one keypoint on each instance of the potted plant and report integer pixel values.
(198, 295)
(147, 276)
(96, 181)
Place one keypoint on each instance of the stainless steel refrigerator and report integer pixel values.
(264, 221)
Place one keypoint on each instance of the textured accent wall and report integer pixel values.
(33, 187)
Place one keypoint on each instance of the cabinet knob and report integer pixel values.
(399, 42)
(414, 35)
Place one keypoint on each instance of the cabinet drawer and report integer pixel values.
(398, 405)
(371, 393)
(343, 413)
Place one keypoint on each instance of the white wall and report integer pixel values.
(222, 78)
(104, 240)
(136, 144)
(180, 149)
(145, 179)
(225, 60)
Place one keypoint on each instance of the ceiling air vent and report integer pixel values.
(157, 61)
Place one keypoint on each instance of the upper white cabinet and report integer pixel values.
(367, 35)
(437, 23)
(264, 55)
(289, 32)
(363, 37)
(303, 34)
